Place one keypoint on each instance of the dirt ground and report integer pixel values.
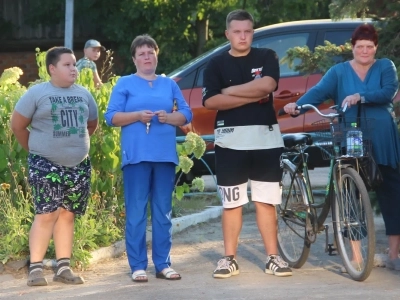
(195, 253)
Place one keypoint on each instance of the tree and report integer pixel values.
(183, 29)
(268, 12)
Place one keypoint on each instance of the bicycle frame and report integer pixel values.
(298, 153)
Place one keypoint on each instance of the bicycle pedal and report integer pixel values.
(331, 249)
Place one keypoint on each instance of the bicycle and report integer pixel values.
(301, 217)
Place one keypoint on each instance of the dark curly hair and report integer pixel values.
(365, 32)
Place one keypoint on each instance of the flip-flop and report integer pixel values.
(139, 273)
(167, 274)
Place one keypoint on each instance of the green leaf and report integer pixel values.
(179, 192)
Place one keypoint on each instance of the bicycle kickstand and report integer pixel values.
(328, 247)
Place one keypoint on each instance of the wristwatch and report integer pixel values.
(362, 99)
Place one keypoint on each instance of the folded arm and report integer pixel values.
(258, 88)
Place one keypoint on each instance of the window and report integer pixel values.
(338, 37)
(280, 44)
(199, 81)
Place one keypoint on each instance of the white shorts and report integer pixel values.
(264, 192)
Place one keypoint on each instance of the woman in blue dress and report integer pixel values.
(374, 83)
(142, 104)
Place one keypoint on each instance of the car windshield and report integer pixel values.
(194, 60)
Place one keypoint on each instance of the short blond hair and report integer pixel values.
(238, 15)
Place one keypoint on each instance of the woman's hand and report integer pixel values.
(145, 116)
(290, 108)
(351, 100)
(162, 116)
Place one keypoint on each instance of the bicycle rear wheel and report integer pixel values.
(353, 225)
(292, 243)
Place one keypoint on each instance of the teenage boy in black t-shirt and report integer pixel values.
(248, 142)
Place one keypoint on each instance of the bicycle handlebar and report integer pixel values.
(340, 111)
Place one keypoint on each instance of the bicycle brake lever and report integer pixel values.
(342, 110)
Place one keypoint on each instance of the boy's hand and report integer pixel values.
(226, 91)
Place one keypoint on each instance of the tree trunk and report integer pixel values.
(202, 34)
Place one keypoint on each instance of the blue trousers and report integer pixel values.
(144, 182)
(388, 194)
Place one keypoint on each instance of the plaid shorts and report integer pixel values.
(54, 186)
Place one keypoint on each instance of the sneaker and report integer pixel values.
(36, 278)
(68, 277)
(393, 264)
(357, 266)
(227, 266)
(277, 266)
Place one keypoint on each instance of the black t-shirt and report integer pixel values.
(226, 70)
(248, 123)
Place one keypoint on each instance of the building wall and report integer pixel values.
(16, 31)
(26, 60)
(18, 39)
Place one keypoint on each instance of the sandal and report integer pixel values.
(68, 277)
(168, 274)
(139, 276)
(36, 278)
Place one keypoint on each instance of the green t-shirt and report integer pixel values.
(86, 63)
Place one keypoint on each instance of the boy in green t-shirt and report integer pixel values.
(92, 52)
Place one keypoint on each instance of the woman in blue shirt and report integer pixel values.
(374, 83)
(143, 105)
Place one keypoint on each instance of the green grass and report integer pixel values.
(194, 204)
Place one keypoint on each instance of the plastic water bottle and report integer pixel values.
(354, 142)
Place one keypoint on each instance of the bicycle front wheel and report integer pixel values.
(292, 243)
(353, 225)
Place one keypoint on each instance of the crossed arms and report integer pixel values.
(242, 94)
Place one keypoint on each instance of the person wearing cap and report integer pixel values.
(92, 52)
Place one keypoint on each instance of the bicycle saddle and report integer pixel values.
(294, 139)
